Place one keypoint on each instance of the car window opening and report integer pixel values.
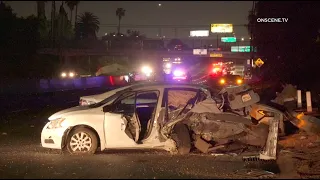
(139, 110)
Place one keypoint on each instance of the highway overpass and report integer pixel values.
(158, 54)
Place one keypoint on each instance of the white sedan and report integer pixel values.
(128, 117)
(89, 100)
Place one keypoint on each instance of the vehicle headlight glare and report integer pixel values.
(239, 81)
(146, 70)
(71, 74)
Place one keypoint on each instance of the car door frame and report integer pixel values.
(164, 103)
(128, 141)
(114, 119)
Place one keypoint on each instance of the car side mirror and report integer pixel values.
(108, 108)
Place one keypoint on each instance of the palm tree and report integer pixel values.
(71, 5)
(41, 9)
(76, 15)
(53, 17)
(88, 24)
(120, 12)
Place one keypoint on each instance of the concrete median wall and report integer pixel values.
(52, 85)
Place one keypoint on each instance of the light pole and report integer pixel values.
(217, 40)
(160, 29)
(252, 24)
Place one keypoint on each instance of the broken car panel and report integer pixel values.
(151, 116)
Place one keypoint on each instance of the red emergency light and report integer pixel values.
(217, 64)
(216, 70)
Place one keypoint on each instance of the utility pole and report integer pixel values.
(175, 32)
(53, 14)
(160, 33)
(217, 40)
(252, 24)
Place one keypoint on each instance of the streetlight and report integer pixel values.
(159, 5)
(242, 39)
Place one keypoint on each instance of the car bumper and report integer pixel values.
(52, 138)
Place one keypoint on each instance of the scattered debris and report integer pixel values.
(303, 137)
(254, 174)
(308, 123)
(205, 147)
(301, 140)
(288, 93)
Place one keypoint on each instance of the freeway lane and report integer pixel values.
(16, 103)
(22, 157)
(28, 161)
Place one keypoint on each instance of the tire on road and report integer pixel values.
(82, 131)
(182, 138)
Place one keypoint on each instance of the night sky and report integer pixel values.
(150, 13)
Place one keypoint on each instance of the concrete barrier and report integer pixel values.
(58, 84)
(308, 99)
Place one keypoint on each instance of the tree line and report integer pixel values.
(21, 37)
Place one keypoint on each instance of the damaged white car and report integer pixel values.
(160, 116)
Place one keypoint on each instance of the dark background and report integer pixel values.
(290, 49)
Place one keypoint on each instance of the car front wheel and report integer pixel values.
(82, 141)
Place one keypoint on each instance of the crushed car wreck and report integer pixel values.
(165, 116)
(212, 128)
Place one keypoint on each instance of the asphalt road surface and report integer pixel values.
(21, 155)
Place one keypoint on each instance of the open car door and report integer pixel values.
(121, 125)
(132, 126)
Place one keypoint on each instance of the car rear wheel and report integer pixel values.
(82, 141)
(182, 138)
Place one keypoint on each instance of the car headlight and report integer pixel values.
(57, 123)
(63, 74)
(71, 74)
(83, 102)
(146, 70)
(178, 73)
(239, 81)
